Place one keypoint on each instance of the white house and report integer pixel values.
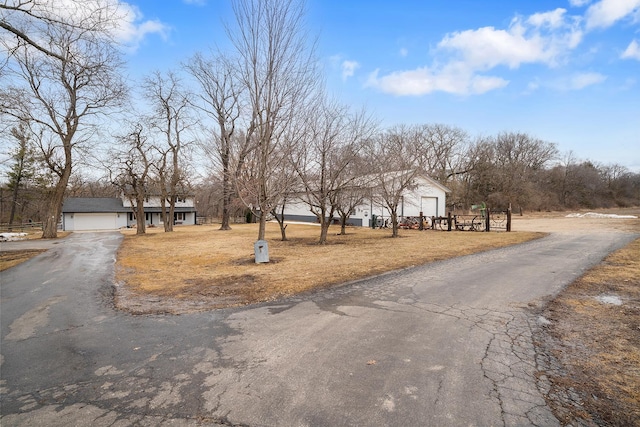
(425, 195)
(112, 213)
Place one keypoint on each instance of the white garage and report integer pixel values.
(93, 221)
(426, 196)
(93, 213)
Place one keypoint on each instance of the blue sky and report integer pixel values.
(565, 71)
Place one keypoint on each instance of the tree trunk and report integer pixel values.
(55, 199)
(283, 227)
(325, 222)
(343, 225)
(172, 210)
(324, 230)
(263, 225)
(50, 222)
(226, 199)
(14, 201)
(163, 212)
(394, 223)
(141, 221)
(54, 210)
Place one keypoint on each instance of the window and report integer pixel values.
(132, 216)
(179, 216)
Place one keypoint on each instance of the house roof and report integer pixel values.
(93, 205)
(367, 180)
(434, 183)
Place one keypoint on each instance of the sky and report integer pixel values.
(564, 71)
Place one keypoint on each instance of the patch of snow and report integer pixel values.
(543, 321)
(609, 299)
(600, 215)
(11, 237)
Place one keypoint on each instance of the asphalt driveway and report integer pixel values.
(446, 344)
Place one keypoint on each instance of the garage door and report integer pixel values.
(94, 221)
(430, 206)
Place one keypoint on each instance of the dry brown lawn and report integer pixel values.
(213, 268)
(9, 259)
(598, 344)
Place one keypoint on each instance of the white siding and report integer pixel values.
(154, 202)
(428, 197)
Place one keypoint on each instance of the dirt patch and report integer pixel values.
(201, 296)
(560, 222)
(592, 345)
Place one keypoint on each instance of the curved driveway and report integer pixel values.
(446, 344)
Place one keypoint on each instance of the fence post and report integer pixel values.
(449, 221)
(421, 225)
(487, 224)
(509, 219)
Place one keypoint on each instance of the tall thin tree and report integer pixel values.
(278, 69)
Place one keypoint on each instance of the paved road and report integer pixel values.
(447, 344)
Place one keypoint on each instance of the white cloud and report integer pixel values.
(573, 82)
(553, 19)
(532, 86)
(455, 79)
(465, 62)
(579, 3)
(132, 29)
(403, 52)
(349, 68)
(580, 81)
(542, 38)
(605, 13)
(632, 51)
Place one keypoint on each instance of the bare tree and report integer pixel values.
(63, 95)
(333, 138)
(278, 70)
(171, 119)
(348, 199)
(358, 190)
(479, 173)
(290, 181)
(519, 158)
(398, 158)
(508, 170)
(30, 23)
(443, 147)
(133, 163)
(220, 99)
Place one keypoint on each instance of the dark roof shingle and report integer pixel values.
(93, 205)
